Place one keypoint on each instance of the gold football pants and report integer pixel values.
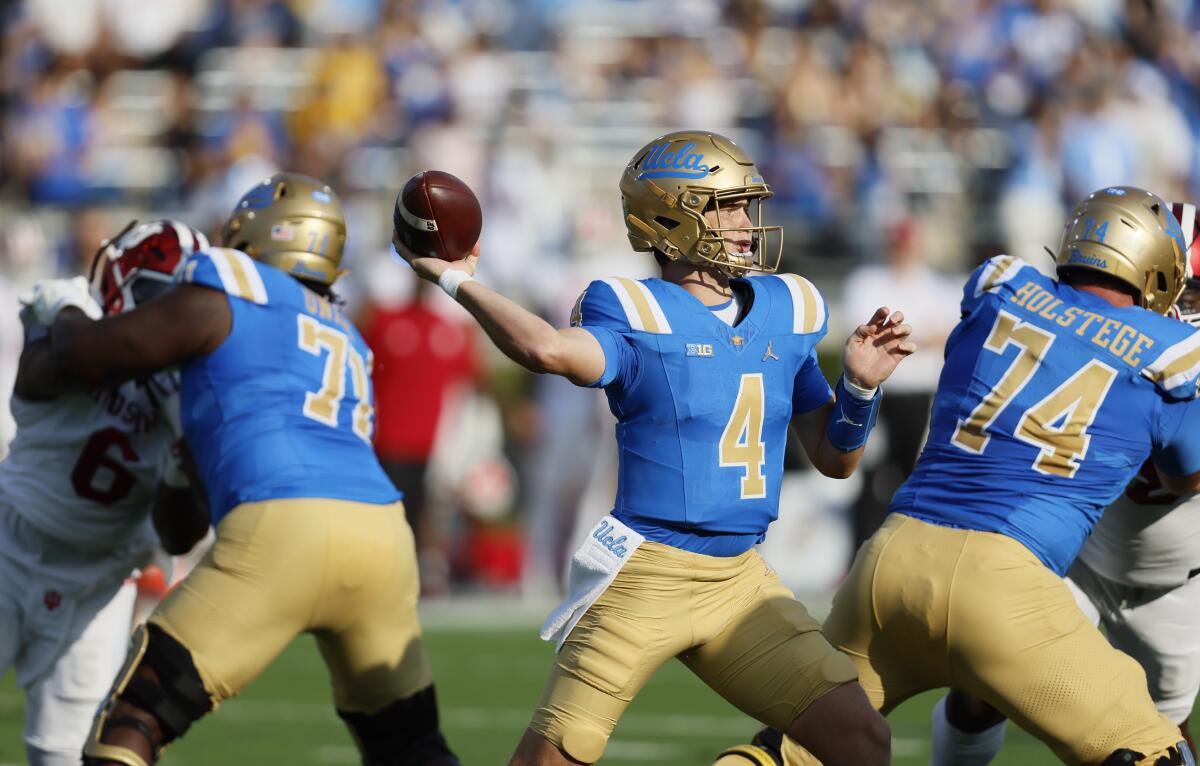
(926, 606)
(729, 620)
(345, 572)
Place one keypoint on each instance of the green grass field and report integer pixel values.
(488, 681)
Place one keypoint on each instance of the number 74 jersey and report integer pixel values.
(1049, 402)
(283, 408)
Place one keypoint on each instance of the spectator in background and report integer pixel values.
(421, 358)
(930, 302)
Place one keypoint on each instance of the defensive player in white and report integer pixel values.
(1138, 575)
(76, 493)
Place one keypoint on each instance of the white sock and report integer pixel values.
(955, 747)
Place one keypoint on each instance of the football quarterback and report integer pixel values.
(90, 478)
(705, 370)
(310, 534)
(1136, 575)
(1053, 395)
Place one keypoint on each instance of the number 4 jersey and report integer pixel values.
(702, 407)
(1049, 401)
(283, 407)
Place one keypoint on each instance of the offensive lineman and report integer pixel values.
(1137, 574)
(1053, 395)
(310, 534)
(76, 491)
(704, 370)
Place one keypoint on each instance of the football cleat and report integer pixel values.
(1130, 235)
(673, 180)
(141, 262)
(292, 222)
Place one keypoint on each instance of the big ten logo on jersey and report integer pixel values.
(139, 415)
(320, 307)
(1123, 340)
(699, 349)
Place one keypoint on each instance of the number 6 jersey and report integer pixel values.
(283, 407)
(1049, 401)
(702, 407)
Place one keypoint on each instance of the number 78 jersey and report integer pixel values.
(283, 408)
(1049, 402)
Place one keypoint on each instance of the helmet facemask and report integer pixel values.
(141, 262)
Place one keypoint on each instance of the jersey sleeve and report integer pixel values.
(810, 313)
(810, 390)
(1176, 371)
(230, 271)
(1177, 448)
(991, 276)
(599, 311)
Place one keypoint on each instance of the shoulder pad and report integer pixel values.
(1177, 369)
(809, 314)
(228, 270)
(993, 273)
(621, 304)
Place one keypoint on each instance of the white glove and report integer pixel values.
(50, 296)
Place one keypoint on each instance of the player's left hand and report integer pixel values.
(50, 296)
(874, 349)
(432, 268)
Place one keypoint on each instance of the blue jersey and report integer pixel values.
(1049, 401)
(283, 408)
(703, 408)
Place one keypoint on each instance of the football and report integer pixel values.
(438, 215)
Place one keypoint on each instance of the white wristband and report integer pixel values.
(452, 279)
(857, 391)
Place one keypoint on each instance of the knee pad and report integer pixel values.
(405, 733)
(746, 755)
(173, 694)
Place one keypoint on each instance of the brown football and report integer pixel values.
(438, 215)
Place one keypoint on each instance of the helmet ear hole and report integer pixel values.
(665, 222)
(1162, 282)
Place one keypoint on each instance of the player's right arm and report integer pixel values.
(1177, 455)
(83, 353)
(524, 337)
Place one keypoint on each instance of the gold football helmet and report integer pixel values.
(292, 222)
(674, 179)
(1129, 234)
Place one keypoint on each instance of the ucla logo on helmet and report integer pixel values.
(1087, 260)
(662, 163)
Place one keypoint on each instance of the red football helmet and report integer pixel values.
(141, 262)
(1189, 301)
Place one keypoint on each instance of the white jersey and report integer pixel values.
(1147, 538)
(83, 468)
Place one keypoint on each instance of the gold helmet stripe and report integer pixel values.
(238, 274)
(1177, 364)
(808, 313)
(999, 270)
(641, 308)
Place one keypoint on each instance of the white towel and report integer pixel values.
(593, 568)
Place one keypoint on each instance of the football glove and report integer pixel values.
(50, 296)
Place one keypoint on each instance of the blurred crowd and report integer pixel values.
(905, 140)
